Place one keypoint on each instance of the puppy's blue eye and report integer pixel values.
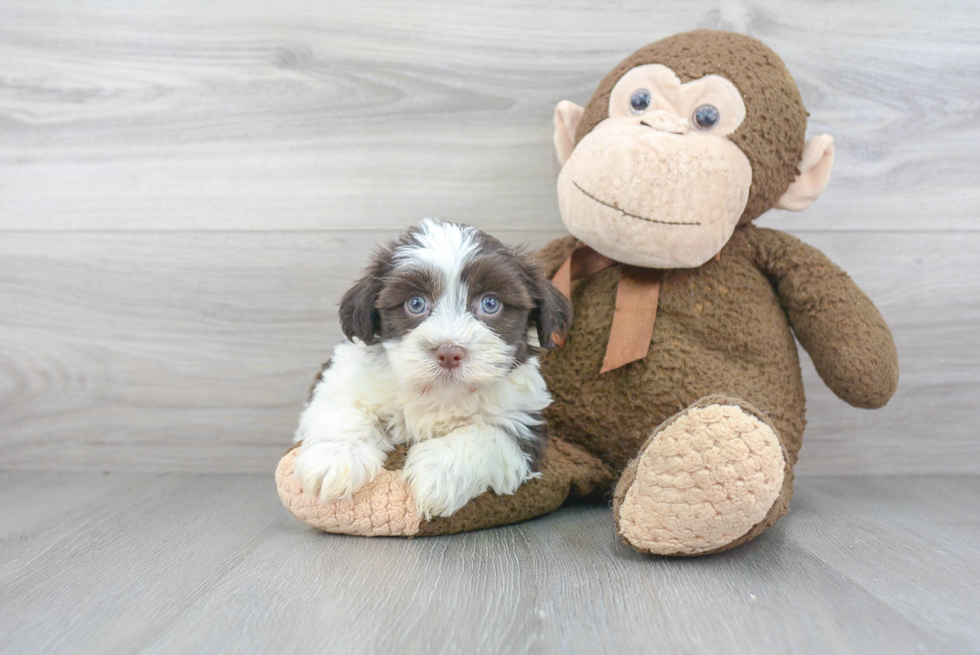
(640, 100)
(490, 305)
(415, 305)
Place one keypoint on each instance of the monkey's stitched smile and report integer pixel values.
(626, 213)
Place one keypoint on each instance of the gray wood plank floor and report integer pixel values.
(176, 563)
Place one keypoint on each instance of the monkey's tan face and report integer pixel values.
(658, 183)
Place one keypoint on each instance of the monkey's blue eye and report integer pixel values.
(490, 305)
(415, 305)
(640, 100)
(706, 117)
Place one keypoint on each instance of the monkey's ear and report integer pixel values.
(358, 316)
(815, 165)
(567, 117)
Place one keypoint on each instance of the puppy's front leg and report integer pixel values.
(344, 446)
(447, 472)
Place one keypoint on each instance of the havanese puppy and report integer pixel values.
(443, 330)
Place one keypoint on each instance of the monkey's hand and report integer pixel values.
(448, 472)
(838, 325)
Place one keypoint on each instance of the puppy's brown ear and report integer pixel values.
(358, 315)
(552, 314)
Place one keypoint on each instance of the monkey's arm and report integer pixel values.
(838, 325)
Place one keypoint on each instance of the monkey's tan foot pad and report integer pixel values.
(383, 507)
(705, 479)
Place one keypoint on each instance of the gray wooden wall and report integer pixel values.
(186, 189)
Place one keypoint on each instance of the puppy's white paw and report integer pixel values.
(439, 490)
(336, 469)
(444, 477)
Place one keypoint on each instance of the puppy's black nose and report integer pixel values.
(449, 356)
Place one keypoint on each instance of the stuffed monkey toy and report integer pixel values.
(678, 387)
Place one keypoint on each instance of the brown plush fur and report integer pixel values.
(721, 328)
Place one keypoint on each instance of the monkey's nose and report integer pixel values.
(665, 122)
(449, 356)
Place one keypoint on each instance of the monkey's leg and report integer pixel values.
(711, 477)
(384, 507)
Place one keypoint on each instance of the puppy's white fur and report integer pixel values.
(464, 427)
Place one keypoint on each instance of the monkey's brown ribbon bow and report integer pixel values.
(636, 304)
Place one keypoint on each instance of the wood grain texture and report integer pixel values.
(237, 114)
(158, 564)
(182, 351)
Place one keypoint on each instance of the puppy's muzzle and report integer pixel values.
(450, 356)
